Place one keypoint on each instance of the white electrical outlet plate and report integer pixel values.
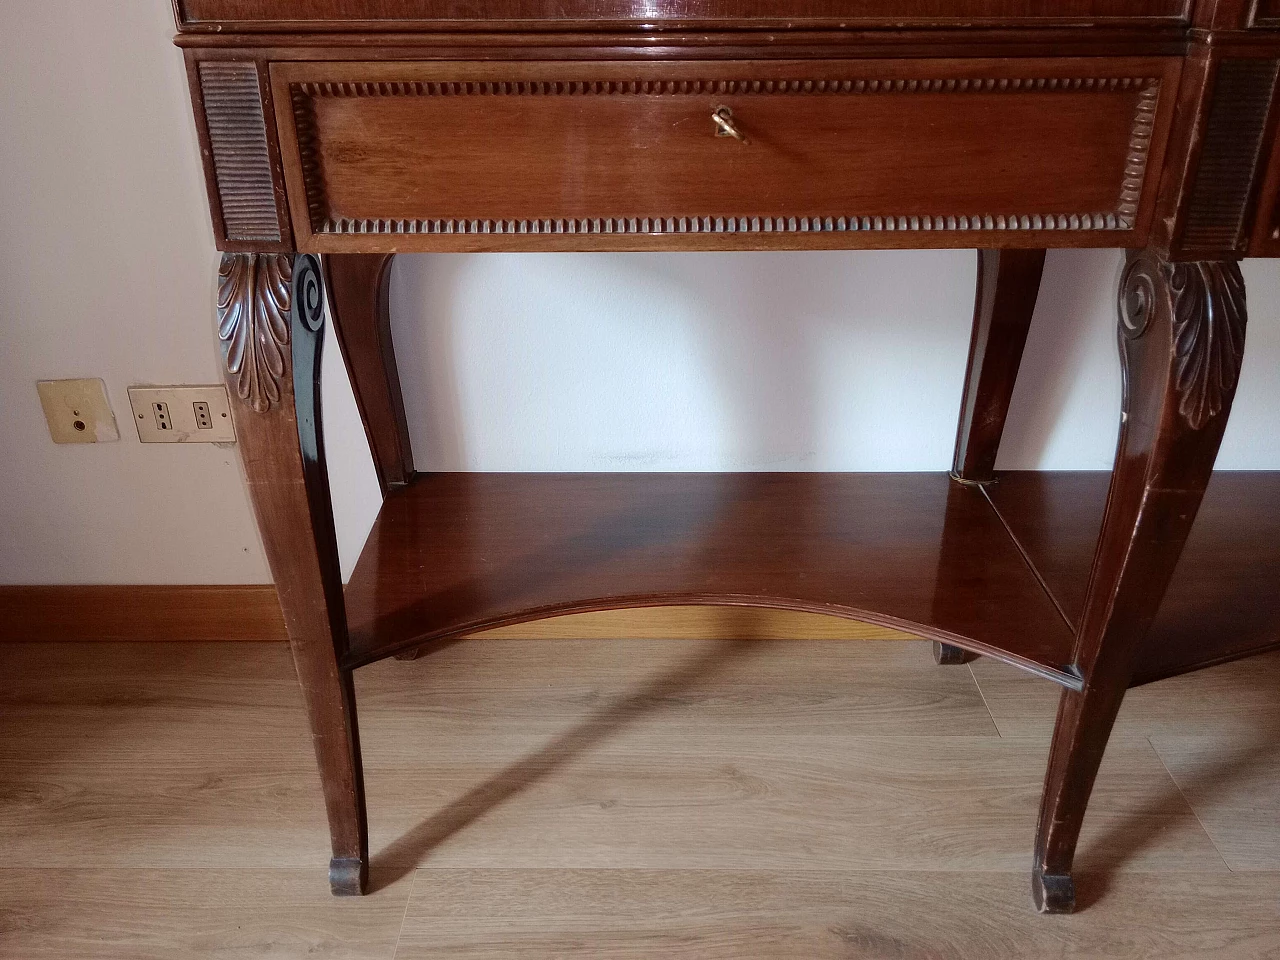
(78, 411)
(182, 414)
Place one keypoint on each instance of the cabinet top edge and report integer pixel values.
(399, 16)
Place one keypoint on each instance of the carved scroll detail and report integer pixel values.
(1207, 304)
(253, 324)
(309, 292)
(1208, 336)
(1139, 288)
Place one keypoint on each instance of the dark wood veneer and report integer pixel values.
(1010, 125)
(839, 154)
(1230, 155)
(1181, 336)
(140, 612)
(1266, 226)
(760, 14)
(1008, 284)
(455, 553)
(357, 285)
(241, 153)
(270, 318)
(1267, 13)
(237, 132)
(1223, 602)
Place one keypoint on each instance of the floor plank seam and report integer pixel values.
(404, 917)
(986, 706)
(1190, 806)
(790, 803)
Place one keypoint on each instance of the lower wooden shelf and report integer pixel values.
(1224, 600)
(451, 554)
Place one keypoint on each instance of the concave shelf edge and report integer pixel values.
(365, 651)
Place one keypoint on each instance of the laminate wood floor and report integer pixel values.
(623, 799)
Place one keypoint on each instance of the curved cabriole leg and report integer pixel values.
(357, 287)
(270, 319)
(945, 655)
(1008, 285)
(1182, 329)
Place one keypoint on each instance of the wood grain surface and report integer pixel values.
(184, 613)
(950, 152)
(358, 288)
(160, 801)
(1222, 602)
(821, 915)
(455, 553)
(437, 14)
(1231, 784)
(1007, 289)
(140, 612)
(1227, 701)
(181, 914)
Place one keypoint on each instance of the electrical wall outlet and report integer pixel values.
(78, 411)
(160, 414)
(204, 419)
(182, 414)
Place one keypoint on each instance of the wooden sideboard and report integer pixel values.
(358, 129)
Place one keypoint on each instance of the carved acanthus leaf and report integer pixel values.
(1208, 336)
(254, 291)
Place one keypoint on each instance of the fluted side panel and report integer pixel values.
(1232, 142)
(241, 160)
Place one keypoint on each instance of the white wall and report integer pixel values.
(549, 362)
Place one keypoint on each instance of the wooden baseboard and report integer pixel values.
(238, 613)
(140, 612)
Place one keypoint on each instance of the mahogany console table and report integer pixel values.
(358, 129)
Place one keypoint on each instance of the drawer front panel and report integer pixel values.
(444, 14)
(847, 154)
(1267, 13)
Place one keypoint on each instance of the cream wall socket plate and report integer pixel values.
(182, 414)
(78, 411)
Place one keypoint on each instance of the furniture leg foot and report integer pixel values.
(1052, 892)
(348, 876)
(271, 316)
(1182, 329)
(945, 655)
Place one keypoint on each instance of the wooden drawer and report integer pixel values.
(225, 15)
(872, 153)
(1266, 13)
